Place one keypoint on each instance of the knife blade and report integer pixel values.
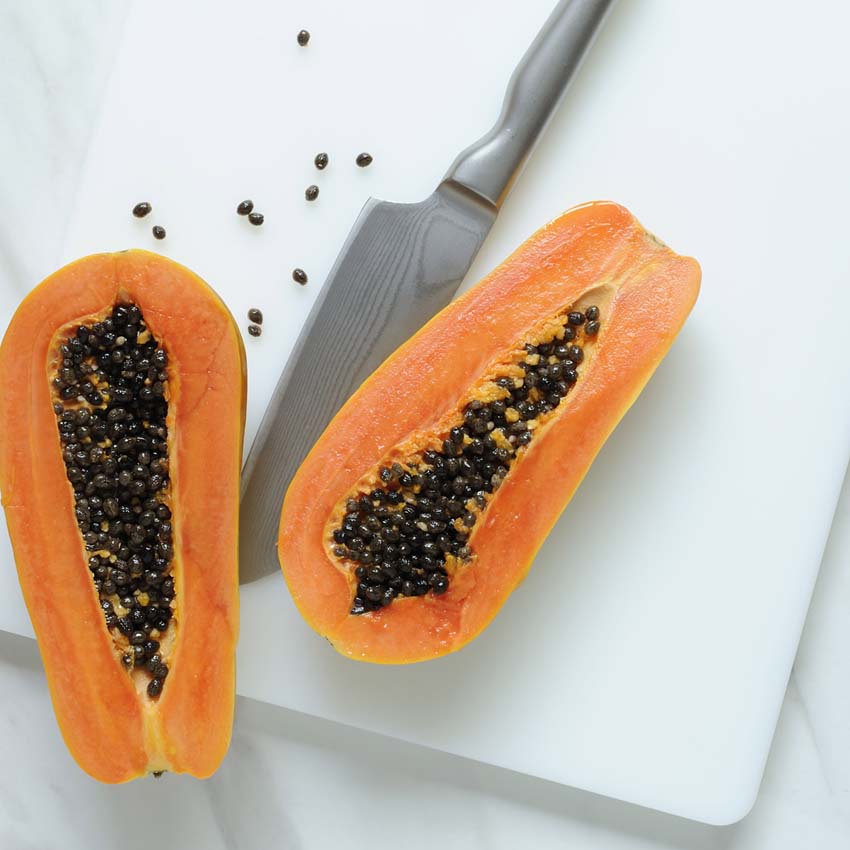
(400, 264)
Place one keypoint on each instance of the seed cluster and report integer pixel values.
(110, 390)
(406, 535)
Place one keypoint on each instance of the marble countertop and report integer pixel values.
(295, 781)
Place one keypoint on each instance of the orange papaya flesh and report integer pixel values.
(421, 507)
(121, 423)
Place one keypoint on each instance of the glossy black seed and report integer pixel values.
(303, 38)
(142, 209)
(321, 161)
(458, 486)
(256, 218)
(155, 687)
(311, 192)
(475, 447)
(245, 207)
(591, 328)
(158, 232)
(254, 330)
(255, 315)
(363, 159)
(299, 276)
(576, 318)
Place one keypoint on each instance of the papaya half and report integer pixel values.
(121, 423)
(421, 507)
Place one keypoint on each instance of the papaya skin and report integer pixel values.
(113, 730)
(593, 254)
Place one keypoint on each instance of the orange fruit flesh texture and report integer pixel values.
(597, 253)
(112, 728)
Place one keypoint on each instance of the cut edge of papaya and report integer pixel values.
(597, 248)
(114, 733)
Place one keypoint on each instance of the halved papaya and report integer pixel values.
(421, 507)
(121, 422)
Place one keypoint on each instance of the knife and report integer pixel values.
(400, 264)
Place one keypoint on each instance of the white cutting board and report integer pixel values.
(646, 655)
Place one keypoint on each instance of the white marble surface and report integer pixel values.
(294, 781)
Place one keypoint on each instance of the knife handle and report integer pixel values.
(489, 167)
